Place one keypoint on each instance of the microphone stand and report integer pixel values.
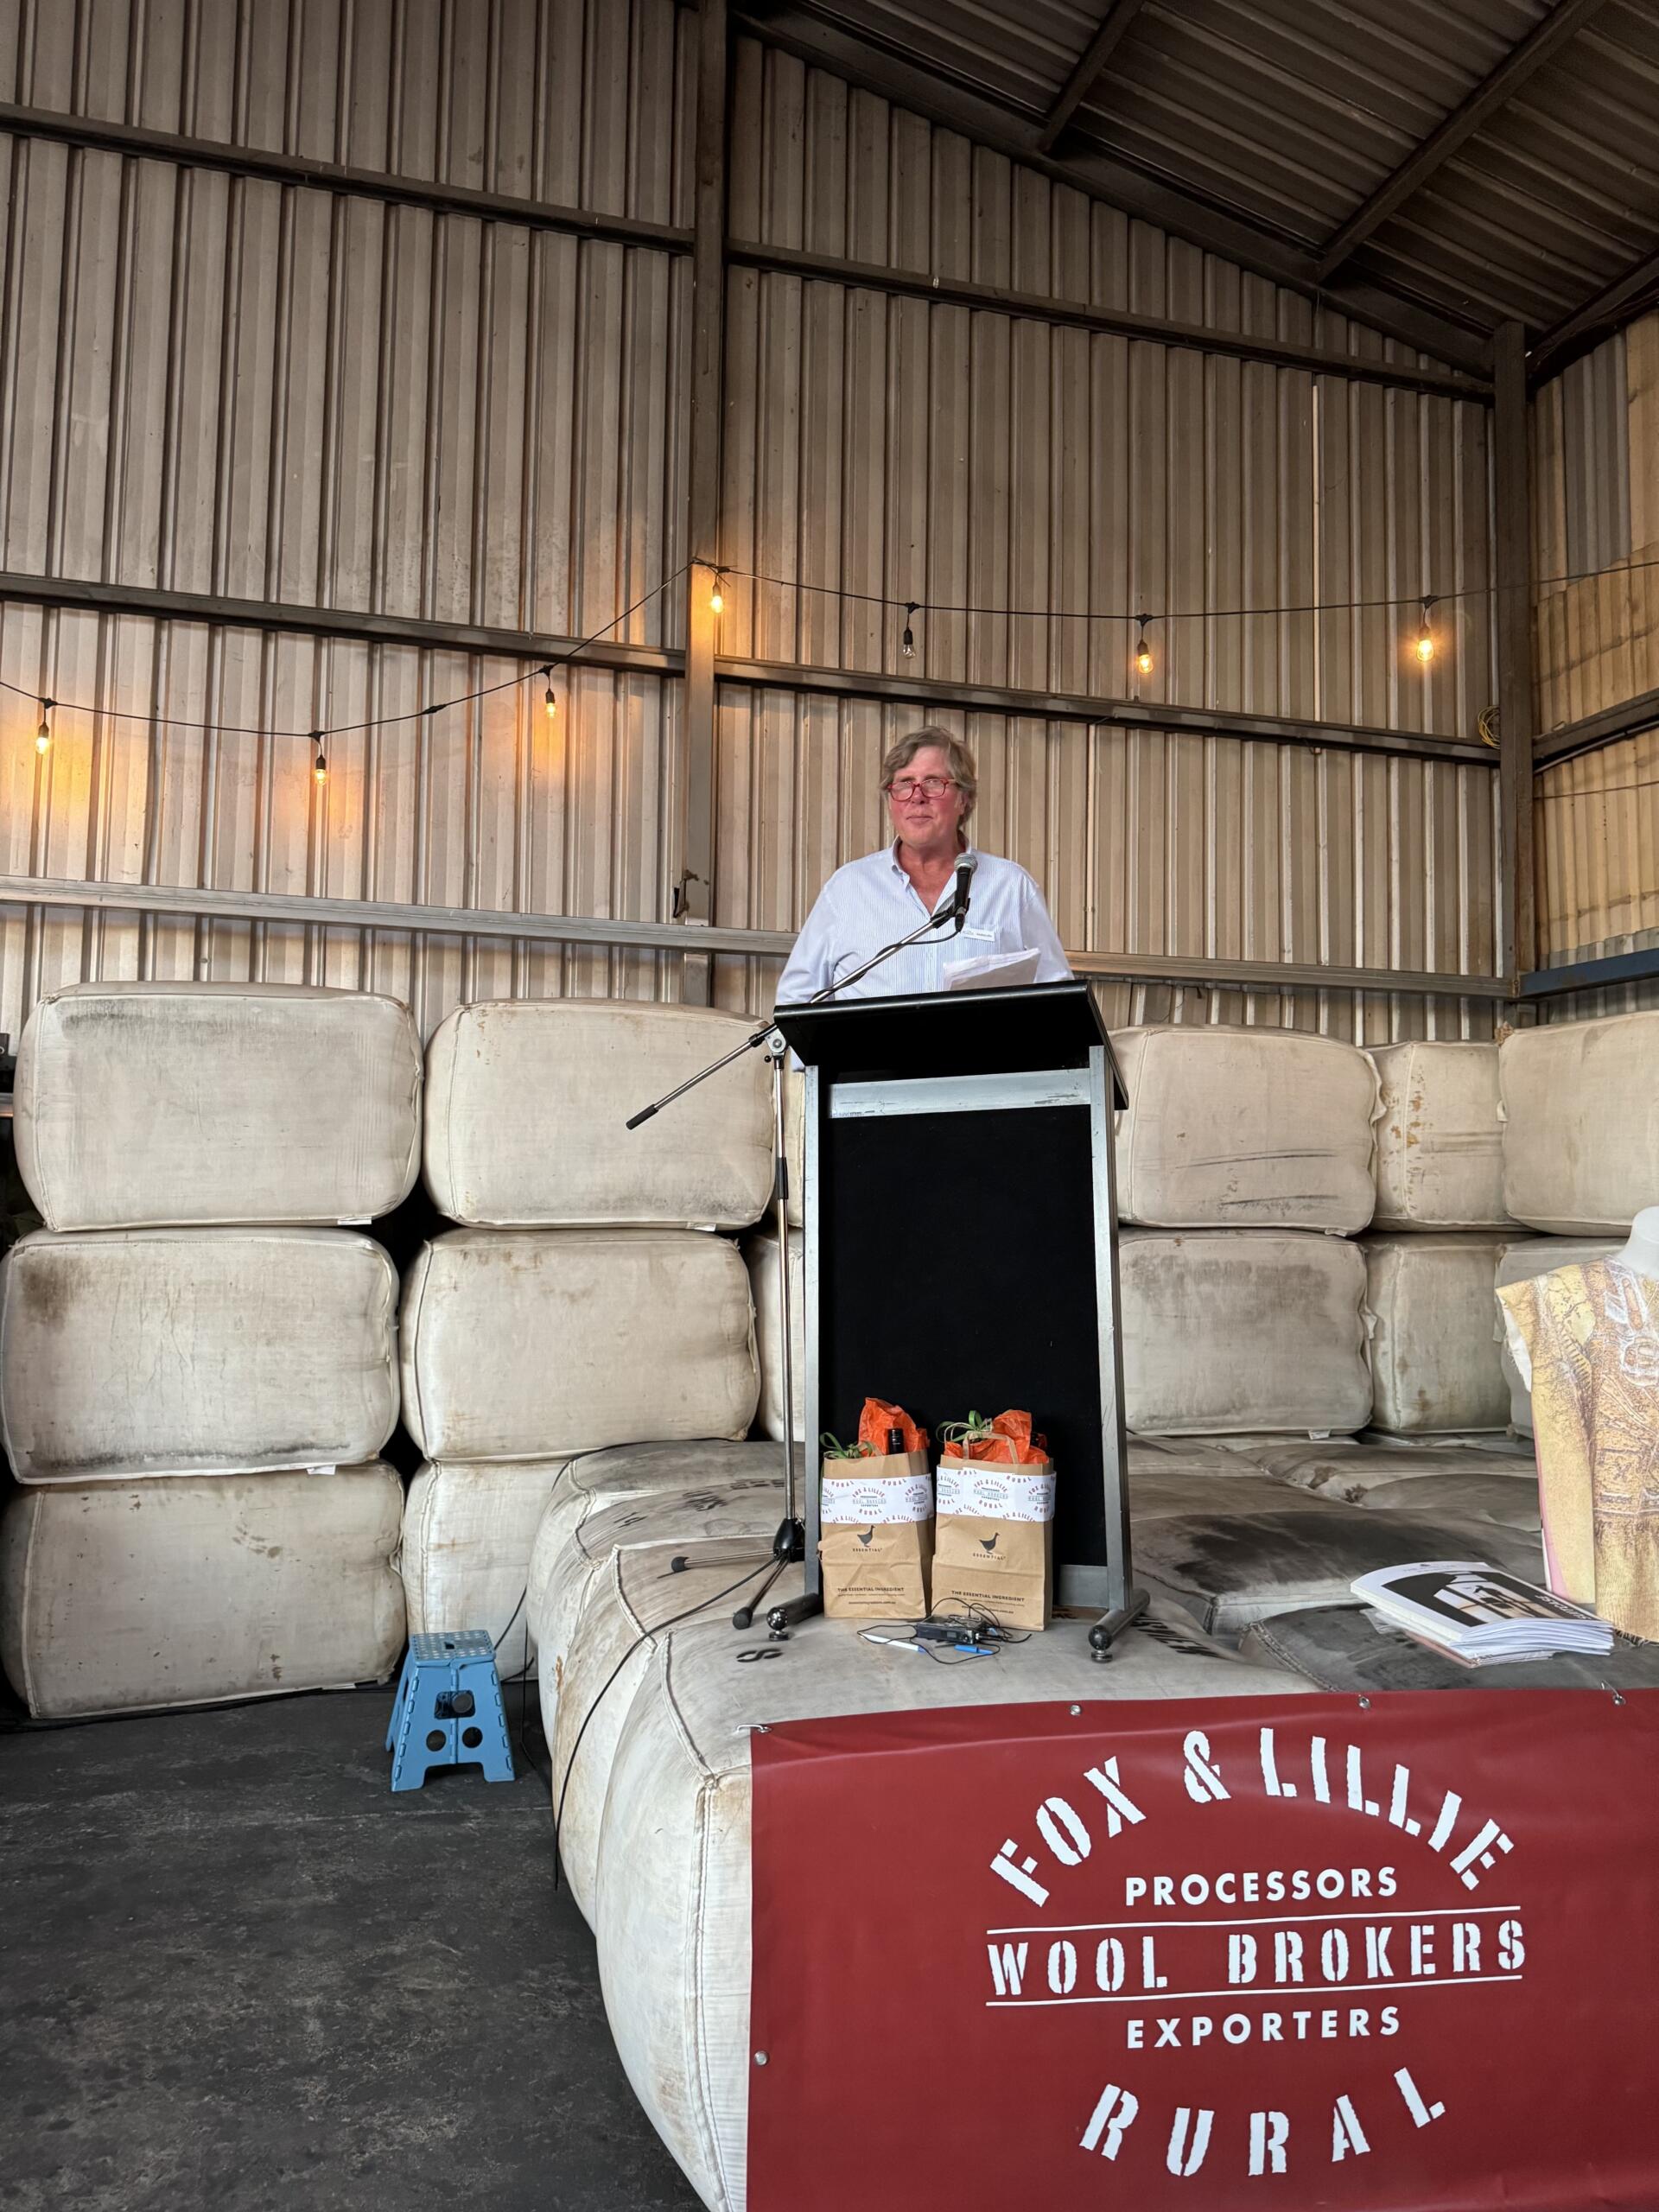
(789, 1544)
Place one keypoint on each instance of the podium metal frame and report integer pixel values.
(1096, 1089)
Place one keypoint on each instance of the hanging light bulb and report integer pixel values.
(1143, 650)
(319, 766)
(907, 643)
(551, 703)
(1426, 637)
(716, 596)
(43, 736)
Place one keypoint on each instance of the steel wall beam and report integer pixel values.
(180, 901)
(1596, 732)
(949, 291)
(144, 602)
(799, 29)
(1513, 602)
(1564, 22)
(1601, 973)
(703, 533)
(1115, 27)
(1267, 729)
(102, 138)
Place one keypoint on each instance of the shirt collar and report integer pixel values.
(893, 863)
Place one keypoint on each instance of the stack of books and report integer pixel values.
(1478, 1615)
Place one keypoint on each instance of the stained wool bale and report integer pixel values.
(1228, 1331)
(1434, 1364)
(1581, 1124)
(527, 1108)
(1245, 1551)
(468, 1534)
(702, 1508)
(630, 1604)
(1236, 1129)
(177, 1351)
(125, 1596)
(525, 1343)
(1520, 1262)
(674, 1881)
(181, 1104)
(1463, 1483)
(760, 1254)
(1440, 1137)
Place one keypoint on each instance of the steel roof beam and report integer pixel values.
(799, 30)
(1602, 314)
(1564, 22)
(1114, 26)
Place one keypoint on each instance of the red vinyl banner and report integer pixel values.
(1400, 1952)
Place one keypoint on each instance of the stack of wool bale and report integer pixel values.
(1580, 1139)
(197, 1366)
(588, 1298)
(1439, 1229)
(1243, 1173)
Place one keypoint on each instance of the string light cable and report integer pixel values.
(316, 738)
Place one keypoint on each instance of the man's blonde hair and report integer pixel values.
(901, 755)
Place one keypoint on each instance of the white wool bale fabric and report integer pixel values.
(177, 1351)
(467, 1535)
(531, 1343)
(1435, 1367)
(123, 1597)
(1462, 1482)
(1236, 1553)
(181, 1104)
(1581, 1124)
(635, 1596)
(674, 1888)
(1237, 1128)
(1440, 1137)
(1519, 1262)
(1233, 1331)
(702, 1508)
(760, 1256)
(527, 1107)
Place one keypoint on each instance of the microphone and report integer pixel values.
(965, 868)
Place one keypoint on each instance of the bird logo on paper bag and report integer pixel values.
(865, 1536)
(987, 1544)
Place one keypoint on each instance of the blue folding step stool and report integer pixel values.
(447, 1710)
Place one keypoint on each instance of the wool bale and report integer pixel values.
(1228, 1331)
(175, 1352)
(1581, 1124)
(1236, 1128)
(674, 1891)
(703, 1508)
(1434, 1364)
(122, 1597)
(467, 1533)
(1519, 1262)
(184, 1105)
(528, 1103)
(1242, 1552)
(760, 1254)
(531, 1343)
(1463, 1483)
(1440, 1137)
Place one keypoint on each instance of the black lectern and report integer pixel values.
(961, 1218)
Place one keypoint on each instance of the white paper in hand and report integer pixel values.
(991, 971)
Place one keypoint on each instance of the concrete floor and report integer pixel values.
(237, 1973)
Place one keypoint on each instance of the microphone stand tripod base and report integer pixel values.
(788, 1545)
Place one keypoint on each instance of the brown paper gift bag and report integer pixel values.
(876, 1515)
(993, 1542)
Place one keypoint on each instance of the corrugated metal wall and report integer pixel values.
(1596, 477)
(254, 389)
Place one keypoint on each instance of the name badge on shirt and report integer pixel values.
(982, 936)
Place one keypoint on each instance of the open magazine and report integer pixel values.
(1479, 1615)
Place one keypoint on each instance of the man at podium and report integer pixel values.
(930, 784)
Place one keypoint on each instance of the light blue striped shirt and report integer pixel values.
(871, 902)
